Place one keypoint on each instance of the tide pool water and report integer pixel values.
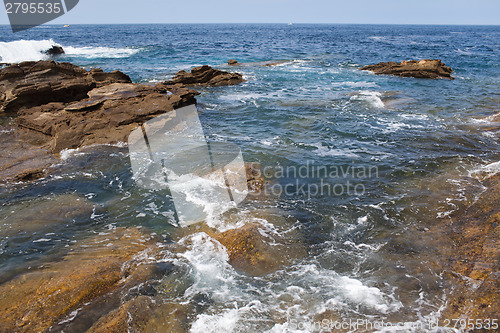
(365, 168)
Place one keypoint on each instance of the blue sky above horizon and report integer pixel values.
(282, 11)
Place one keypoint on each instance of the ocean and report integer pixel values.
(374, 164)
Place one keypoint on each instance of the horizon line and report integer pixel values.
(285, 23)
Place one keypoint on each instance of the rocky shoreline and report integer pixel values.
(57, 106)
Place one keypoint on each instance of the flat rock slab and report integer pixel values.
(422, 69)
(65, 106)
(206, 76)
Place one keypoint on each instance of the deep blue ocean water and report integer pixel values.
(371, 254)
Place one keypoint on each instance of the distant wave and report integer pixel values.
(99, 52)
(32, 50)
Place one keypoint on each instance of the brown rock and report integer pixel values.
(428, 69)
(30, 84)
(143, 315)
(35, 301)
(254, 250)
(475, 261)
(255, 179)
(62, 106)
(232, 62)
(108, 116)
(23, 156)
(207, 76)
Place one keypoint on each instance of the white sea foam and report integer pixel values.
(42, 240)
(372, 98)
(363, 84)
(32, 50)
(212, 272)
(24, 50)
(203, 193)
(339, 152)
(487, 170)
(99, 52)
(246, 308)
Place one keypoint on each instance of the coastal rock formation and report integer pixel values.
(107, 115)
(59, 106)
(232, 62)
(206, 76)
(425, 69)
(255, 179)
(255, 250)
(30, 84)
(54, 51)
(39, 299)
(475, 262)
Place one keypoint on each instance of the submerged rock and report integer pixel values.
(35, 301)
(206, 76)
(142, 314)
(475, 262)
(255, 179)
(39, 214)
(23, 158)
(427, 69)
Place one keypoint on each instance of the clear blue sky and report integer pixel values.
(282, 11)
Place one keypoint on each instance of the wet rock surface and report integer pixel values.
(35, 301)
(425, 69)
(58, 106)
(54, 51)
(206, 76)
(475, 261)
(253, 249)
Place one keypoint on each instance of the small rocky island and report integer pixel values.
(421, 69)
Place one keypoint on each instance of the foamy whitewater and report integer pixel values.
(371, 255)
(33, 50)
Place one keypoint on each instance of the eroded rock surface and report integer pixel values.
(207, 76)
(425, 69)
(58, 106)
(35, 301)
(475, 263)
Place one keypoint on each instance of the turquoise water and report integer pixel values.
(370, 251)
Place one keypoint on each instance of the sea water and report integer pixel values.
(371, 253)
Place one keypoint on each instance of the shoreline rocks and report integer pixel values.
(422, 69)
(475, 262)
(57, 106)
(55, 50)
(207, 76)
(41, 298)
